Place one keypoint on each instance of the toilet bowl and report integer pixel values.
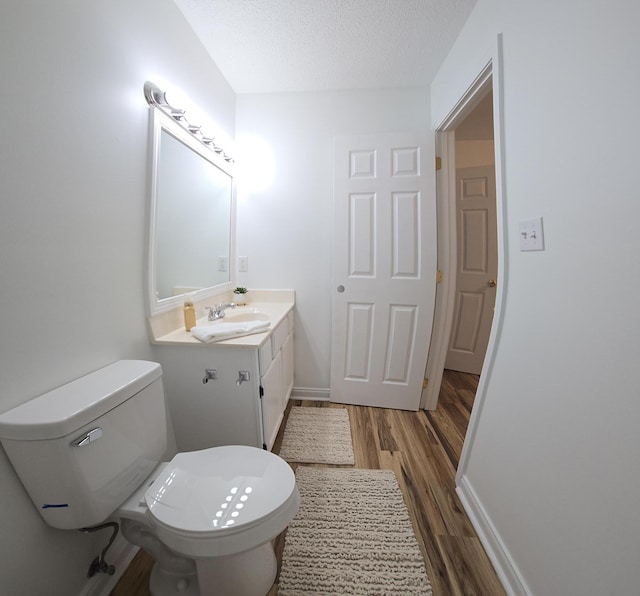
(220, 507)
(90, 451)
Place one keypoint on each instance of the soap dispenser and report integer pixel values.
(189, 313)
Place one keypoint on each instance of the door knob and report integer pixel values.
(340, 289)
(492, 283)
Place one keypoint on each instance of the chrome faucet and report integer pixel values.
(217, 312)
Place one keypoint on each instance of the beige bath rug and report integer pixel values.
(317, 436)
(352, 535)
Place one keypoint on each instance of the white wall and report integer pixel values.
(73, 166)
(286, 230)
(555, 457)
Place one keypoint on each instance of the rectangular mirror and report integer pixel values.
(192, 217)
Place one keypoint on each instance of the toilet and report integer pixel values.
(91, 451)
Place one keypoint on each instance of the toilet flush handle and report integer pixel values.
(93, 435)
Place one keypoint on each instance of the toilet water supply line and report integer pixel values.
(99, 565)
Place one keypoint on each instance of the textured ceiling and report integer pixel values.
(265, 46)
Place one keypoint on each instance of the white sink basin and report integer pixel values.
(244, 315)
(240, 315)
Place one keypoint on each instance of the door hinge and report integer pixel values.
(439, 276)
(438, 163)
(425, 382)
(261, 392)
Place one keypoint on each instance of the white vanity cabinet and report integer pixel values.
(275, 361)
(225, 411)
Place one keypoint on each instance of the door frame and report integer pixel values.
(488, 76)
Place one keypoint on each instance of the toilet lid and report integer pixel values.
(220, 489)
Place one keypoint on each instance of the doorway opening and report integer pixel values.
(476, 269)
(476, 262)
(452, 110)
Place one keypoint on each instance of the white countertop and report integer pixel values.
(277, 310)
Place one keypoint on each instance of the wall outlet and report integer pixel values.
(223, 263)
(531, 234)
(243, 264)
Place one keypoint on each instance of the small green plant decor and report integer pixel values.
(240, 295)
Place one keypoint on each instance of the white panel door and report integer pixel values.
(477, 268)
(384, 268)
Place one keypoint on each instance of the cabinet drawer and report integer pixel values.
(278, 337)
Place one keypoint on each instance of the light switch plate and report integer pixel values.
(531, 234)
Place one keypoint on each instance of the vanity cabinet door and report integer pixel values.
(287, 369)
(272, 410)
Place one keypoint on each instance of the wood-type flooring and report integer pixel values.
(423, 448)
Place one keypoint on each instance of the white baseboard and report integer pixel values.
(495, 548)
(311, 393)
(120, 555)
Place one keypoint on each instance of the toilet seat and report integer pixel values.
(222, 500)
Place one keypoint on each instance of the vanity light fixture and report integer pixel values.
(157, 98)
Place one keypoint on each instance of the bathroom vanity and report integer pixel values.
(234, 391)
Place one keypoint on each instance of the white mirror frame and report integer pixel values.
(160, 120)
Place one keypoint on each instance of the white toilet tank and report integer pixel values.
(82, 449)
